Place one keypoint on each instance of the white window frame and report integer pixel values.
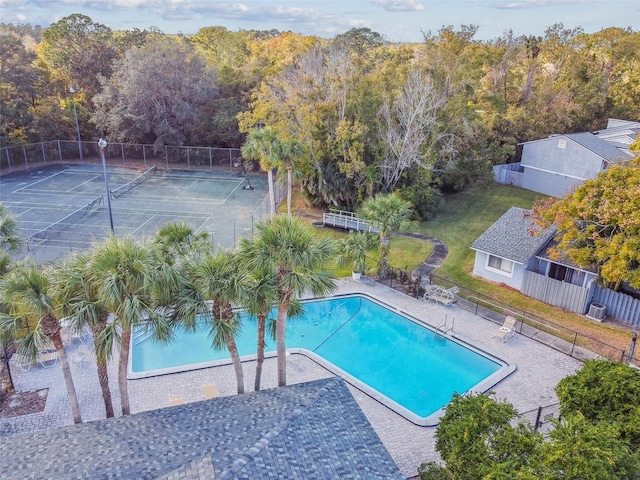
(501, 271)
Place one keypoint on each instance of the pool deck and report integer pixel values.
(539, 369)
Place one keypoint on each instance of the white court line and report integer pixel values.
(82, 183)
(233, 191)
(134, 231)
(184, 190)
(38, 181)
(203, 224)
(26, 211)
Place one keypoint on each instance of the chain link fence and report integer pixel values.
(121, 154)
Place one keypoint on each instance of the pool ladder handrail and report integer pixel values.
(444, 328)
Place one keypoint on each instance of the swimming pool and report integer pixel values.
(388, 355)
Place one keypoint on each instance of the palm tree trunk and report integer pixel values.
(281, 330)
(6, 373)
(122, 370)
(101, 363)
(272, 195)
(383, 270)
(262, 319)
(103, 378)
(289, 187)
(237, 364)
(66, 373)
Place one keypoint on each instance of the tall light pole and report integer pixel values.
(75, 114)
(102, 143)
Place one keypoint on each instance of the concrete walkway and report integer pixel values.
(539, 369)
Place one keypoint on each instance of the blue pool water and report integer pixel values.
(380, 350)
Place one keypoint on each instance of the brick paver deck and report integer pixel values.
(539, 369)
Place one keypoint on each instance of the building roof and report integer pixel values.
(310, 430)
(514, 236)
(606, 150)
(563, 259)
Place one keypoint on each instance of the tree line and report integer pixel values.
(368, 115)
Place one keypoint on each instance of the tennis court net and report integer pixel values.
(134, 183)
(54, 229)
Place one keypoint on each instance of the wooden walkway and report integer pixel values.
(347, 220)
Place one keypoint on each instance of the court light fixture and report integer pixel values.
(102, 143)
(72, 91)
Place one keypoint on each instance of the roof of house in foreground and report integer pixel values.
(514, 236)
(310, 430)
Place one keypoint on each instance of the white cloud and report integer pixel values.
(526, 4)
(399, 5)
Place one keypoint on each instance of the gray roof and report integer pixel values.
(510, 237)
(311, 430)
(607, 151)
(563, 259)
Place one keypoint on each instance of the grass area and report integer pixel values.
(406, 253)
(464, 217)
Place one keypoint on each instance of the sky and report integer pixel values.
(396, 20)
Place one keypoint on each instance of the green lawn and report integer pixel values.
(464, 217)
(458, 223)
(406, 253)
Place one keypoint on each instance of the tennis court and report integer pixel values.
(64, 208)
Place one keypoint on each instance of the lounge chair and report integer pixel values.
(48, 358)
(210, 390)
(83, 354)
(176, 401)
(23, 362)
(506, 331)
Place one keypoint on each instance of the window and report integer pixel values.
(567, 274)
(501, 264)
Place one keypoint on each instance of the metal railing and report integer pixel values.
(540, 329)
(347, 220)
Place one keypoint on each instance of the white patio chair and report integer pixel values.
(506, 331)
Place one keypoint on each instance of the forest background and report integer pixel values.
(371, 116)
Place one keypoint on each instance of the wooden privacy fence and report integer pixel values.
(555, 292)
(619, 305)
(508, 174)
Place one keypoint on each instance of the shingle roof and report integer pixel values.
(600, 147)
(509, 237)
(311, 430)
(563, 259)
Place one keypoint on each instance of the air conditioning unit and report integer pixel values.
(597, 311)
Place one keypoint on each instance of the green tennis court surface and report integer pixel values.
(60, 209)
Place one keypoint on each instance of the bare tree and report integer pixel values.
(408, 127)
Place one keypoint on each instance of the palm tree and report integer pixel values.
(353, 249)
(78, 298)
(10, 243)
(212, 283)
(177, 239)
(29, 305)
(290, 151)
(389, 213)
(121, 271)
(291, 250)
(263, 145)
(259, 300)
